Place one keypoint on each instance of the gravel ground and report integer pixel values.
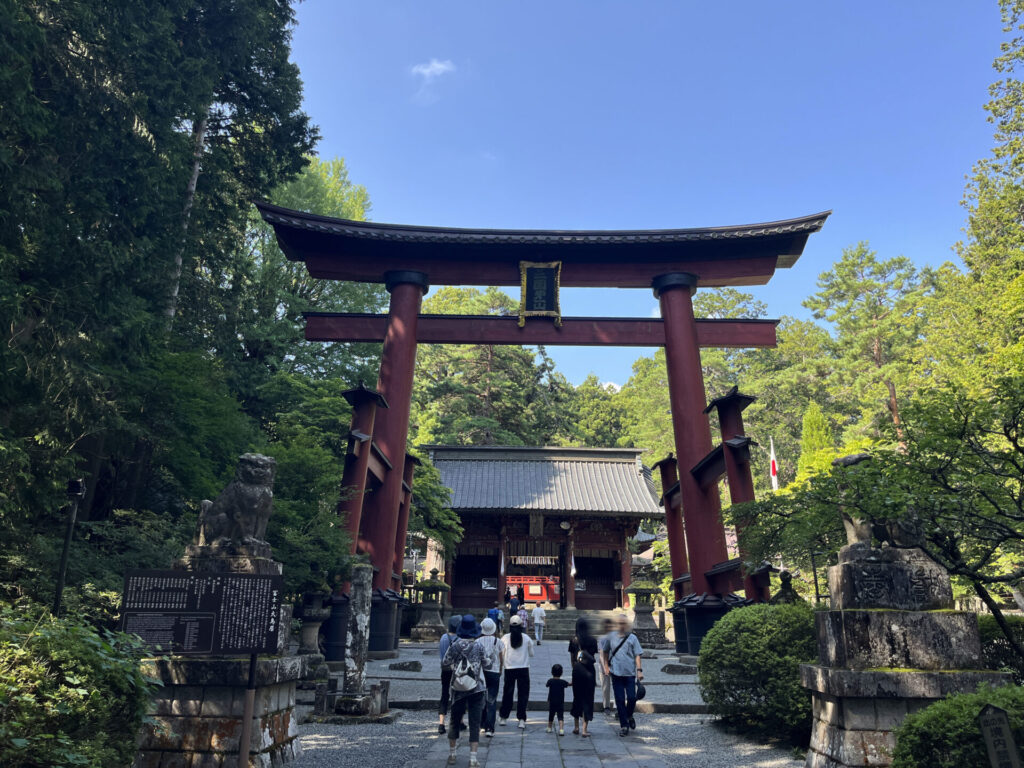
(661, 741)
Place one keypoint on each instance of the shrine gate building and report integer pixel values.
(552, 520)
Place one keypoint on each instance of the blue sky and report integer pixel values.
(595, 114)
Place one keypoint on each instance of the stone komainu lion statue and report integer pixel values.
(240, 513)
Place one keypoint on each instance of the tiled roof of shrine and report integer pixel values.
(603, 481)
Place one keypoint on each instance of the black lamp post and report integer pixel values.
(76, 490)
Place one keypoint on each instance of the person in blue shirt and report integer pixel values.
(621, 659)
(446, 674)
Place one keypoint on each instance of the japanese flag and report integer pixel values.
(775, 466)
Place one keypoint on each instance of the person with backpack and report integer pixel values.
(466, 658)
(446, 674)
(621, 658)
(492, 674)
(517, 649)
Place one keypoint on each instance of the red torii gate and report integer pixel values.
(673, 262)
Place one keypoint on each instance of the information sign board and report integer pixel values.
(182, 612)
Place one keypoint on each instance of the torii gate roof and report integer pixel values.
(361, 251)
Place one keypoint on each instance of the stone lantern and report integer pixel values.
(429, 626)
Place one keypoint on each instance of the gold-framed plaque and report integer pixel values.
(539, 281)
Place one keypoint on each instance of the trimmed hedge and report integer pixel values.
(946, 734)
(996, 652)
(70, 697)
(749, 669)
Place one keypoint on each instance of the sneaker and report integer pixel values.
(489, 734)
(441, 728)
(538, 642)
(451, 758)
(522, 725)
(561, 730)
(632, 724)
(473, 762)
(502, 721)
(548, 729)
(623, 731)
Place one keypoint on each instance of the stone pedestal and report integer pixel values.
(196, 719)
(890, 646)
(314, 613)
(647, 632)
(428, 626)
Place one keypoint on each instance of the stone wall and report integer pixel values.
(197, 718)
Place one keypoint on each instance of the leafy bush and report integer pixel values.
(749, 669)
(996, 651)
(70, 696)
(946, 734)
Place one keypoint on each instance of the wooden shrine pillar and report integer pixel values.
(736, 454)
(570, 566)
(502, 557)
(408, 473)
(701, 507)
(364, 402)
(674, 528)
(397, 362)
(626, 575)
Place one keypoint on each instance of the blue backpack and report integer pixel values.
(492, 614)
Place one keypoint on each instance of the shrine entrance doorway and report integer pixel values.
(671, 262)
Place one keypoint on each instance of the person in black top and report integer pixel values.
(556, 699)
(584, 681)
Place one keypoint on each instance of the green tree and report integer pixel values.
(876, 309)
(598, 415)
(817, 445)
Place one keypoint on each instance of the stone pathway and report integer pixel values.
(661, 741)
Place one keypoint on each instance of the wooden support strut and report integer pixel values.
(576, 331)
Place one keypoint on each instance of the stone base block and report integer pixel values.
(372, 702)
(856, 711)
(888, 577)
(426, 634)
(196, 717)
(863, 639)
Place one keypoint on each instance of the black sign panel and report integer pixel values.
(182, 612)
(540, 283)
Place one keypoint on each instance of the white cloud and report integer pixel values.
(611, 386)
(433, 69)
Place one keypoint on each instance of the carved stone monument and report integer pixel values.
(196, 717)
(890, 645)
(428, 626)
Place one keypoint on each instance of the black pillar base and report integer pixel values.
(383, 610)
(335, 628)
(699, 613)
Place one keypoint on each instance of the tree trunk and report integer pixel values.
(894, 411)
(1018, 596)
(997, 613)
(199, 144)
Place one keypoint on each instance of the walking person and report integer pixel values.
(521, 594)
(580, 639)
(494, 614)
(605, 681)
(584, 681)
(621, 658)
(446, 674)
(492, 674)
(513, 607)
(538, 622)
(556, 699)
(524, 617)
(517, 651)
(466, 658)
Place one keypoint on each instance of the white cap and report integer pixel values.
(515, 621)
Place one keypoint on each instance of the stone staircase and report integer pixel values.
(560, 624)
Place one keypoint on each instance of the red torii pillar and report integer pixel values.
(364, 402)
(391, 431)
(674, 529)
(403, 518)
(701, 507)
(736, 455)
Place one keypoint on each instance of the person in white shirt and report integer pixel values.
(517, 650)
(538, 623)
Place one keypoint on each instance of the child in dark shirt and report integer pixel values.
(556, 699)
